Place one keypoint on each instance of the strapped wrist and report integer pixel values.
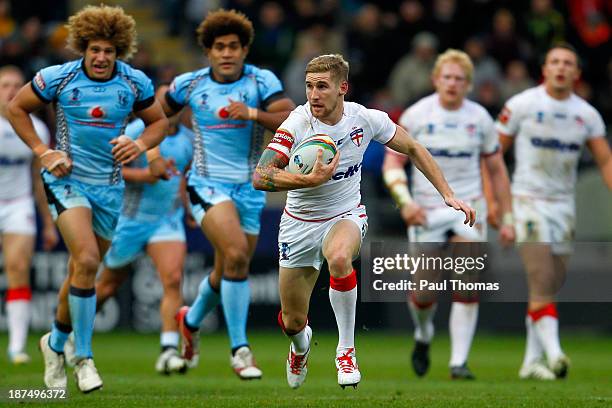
(508, 219)
(253, 113)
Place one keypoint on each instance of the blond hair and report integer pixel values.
(103, 23)
(457, 57)
(335, 64)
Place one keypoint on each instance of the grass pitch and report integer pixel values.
(126, 360)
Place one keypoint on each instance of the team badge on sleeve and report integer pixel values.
(40, 82)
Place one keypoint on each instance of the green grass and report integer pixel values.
(125, 361)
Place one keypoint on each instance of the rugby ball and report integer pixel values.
(304, 156)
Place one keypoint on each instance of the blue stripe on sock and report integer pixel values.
(83, 315)
(206, 301)
(235, 298)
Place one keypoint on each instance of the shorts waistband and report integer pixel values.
(321, 219)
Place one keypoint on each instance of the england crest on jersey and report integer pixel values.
(357, 136)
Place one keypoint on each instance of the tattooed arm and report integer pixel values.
(270, 176)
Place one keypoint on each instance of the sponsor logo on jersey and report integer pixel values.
(449, 154)
(123, 99)
(40, 82)
(350, 172)
(357, 136)
(99, 89)
(555, 144)
(284, 250)
(283, 138)
(540, 117)
(8, 161)
(97, 112)
(558, 115)
(223, 113)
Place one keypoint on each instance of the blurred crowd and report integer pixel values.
(390, 44)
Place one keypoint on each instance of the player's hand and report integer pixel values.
(163, 169)
(56, 162)
(322, 172)
(493, 215)
(237, 110)
(470, 213)
(49, 237)
(191, 222)
(126, 149)
(507, 235)
(413, 214)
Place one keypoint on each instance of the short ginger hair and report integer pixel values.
(224, 22)
(103, 23)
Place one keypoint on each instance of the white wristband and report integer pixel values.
(253, 113)
(508, 219)
(397, 182)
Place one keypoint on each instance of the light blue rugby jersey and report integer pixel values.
(151, 202)
(90, 113)
(224, 150)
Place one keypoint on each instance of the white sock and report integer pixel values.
(462, 325)
(18, 320)
(169, 339)
(547, 330)
(423, 321)
(533, 347)
(300, 341)
(344, 304)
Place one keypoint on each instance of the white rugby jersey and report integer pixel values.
(16, 160)
(352, 136)
(549, 136)
(456, 139)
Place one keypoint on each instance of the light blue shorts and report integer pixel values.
(133, 235)
(204, 193)
(104, 201)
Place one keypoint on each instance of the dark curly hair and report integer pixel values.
(224, 22)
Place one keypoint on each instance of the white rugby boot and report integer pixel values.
(87, 376)
(243, 364)
(55, 371)
(297, 364)
(348, 370)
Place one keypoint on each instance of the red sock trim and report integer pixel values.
(23, 293)
(344, 284)
(279, 319)
(420, 305)
(548, 310)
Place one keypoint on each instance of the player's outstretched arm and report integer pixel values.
(603, 157)
(270, 176)
(18, 114)
(402, 142)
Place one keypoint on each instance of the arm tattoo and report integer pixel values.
(270, 164)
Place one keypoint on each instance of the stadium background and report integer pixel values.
(391, 46)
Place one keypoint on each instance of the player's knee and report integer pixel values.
(236, 260)
(294, 322)
(339, 264)
(86, 262)
(172, 281)
(17, 267)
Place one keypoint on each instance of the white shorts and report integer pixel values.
(545, 221)
(17, 216)
(445, 222)
(300, 243)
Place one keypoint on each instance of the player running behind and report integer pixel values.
(323, 217)
(232, 103)
(20, 186)
(151, 220)
(459, 134)
(93, 97)
(549, 125)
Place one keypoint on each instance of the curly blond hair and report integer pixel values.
(103, 23)
(223, 22)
